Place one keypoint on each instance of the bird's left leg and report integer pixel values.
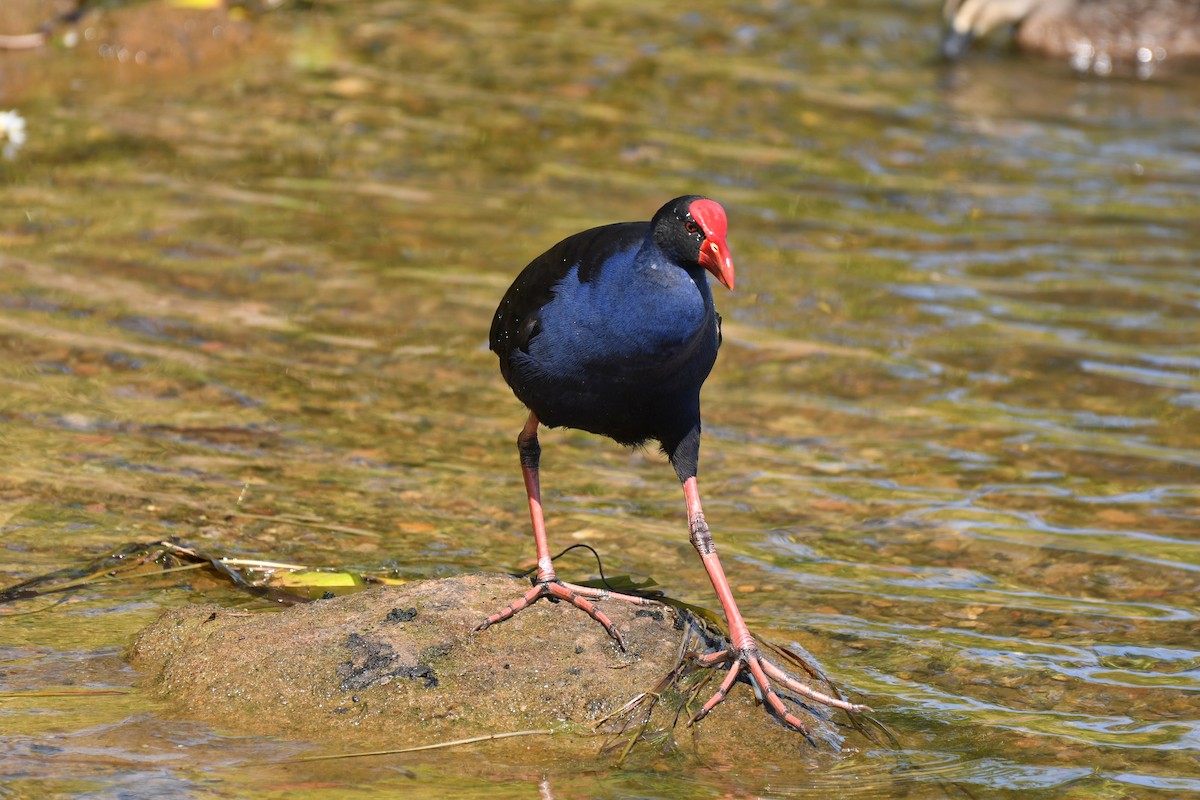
(547, 584)
(531, 452)
(743, 653)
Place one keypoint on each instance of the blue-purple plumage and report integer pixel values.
(613, 331)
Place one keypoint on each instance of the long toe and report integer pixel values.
(559, 591)
(594, 593)
(521, 603)
(761, 672)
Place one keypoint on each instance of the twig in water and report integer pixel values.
(437, 746)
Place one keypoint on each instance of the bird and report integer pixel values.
(613, 331)
(1095, 35)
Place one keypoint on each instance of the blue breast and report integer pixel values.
(622, 352)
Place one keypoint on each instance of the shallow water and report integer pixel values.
(952, 442)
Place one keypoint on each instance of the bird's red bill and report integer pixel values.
(714, 252)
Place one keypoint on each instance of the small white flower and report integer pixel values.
(12, 132)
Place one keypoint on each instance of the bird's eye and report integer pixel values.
(691, 227)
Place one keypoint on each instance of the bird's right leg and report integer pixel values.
(546, 583)
(743, 655)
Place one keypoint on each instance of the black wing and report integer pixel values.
(517, 319)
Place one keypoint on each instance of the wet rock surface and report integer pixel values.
(400, 666)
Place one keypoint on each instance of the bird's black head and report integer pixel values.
(691, 230)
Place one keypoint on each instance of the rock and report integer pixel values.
(399, 666)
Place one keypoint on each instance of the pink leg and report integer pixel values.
(547, 583)
(743, 651)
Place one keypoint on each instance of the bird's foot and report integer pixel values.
(758, 668)
(557, 590)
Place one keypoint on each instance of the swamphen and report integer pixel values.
(613, 331)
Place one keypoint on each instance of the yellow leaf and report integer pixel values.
(317, 579)
(196, 3)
